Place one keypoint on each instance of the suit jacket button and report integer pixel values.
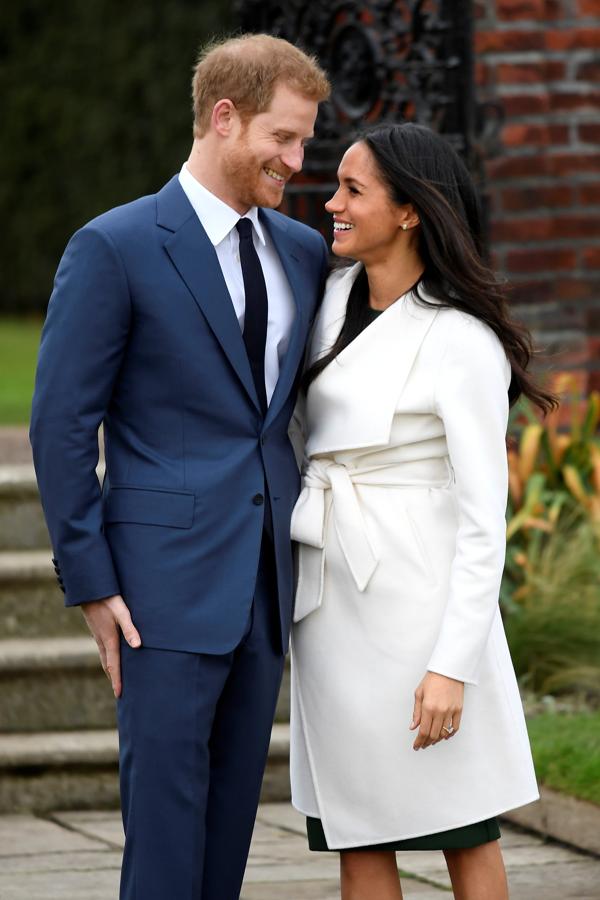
(258, 499)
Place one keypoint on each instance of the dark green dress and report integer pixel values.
(455, 839)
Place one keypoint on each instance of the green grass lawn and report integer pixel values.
(566, 752)
(19, 341)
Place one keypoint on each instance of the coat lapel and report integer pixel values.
(351, 404)
(195, 259)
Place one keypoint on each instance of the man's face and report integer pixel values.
(268, 149)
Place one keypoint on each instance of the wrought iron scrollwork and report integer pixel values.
(388, 60)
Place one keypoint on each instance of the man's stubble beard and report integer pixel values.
(243, 173)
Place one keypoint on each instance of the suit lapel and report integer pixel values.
(194, 257)
(293, 258)
(351, 404)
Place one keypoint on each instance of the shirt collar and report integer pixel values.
(216, 217)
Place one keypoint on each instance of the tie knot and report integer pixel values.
(244, 227)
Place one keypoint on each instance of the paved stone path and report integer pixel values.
(14, 445)
(76, 856)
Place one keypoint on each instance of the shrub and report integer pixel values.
(551, 585)
(96, 111)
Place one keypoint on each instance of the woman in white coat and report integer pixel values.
(398, 644)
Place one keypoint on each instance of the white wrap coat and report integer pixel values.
(401, 530)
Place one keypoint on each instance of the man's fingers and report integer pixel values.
(102, 654)
(105, 618)
(113, 665)
(130, 632)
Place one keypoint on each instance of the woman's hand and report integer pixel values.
(438, 709)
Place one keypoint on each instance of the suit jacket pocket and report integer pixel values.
(149, 506)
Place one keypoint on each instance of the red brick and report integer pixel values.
(591, 257)
(496, 260)
(517, 199)
(573, 163)
(594, 381)
(590, 132)
(523, 292)
(575, 288)
(558, 164)
(563, 101)
(520, 9)
(482, 74)
(508, 41)
(587, 7)
(589, 194)
(530, 73)
(573, 39)
(540, 260)
(546, 228)
(592, 314)
(589, 71)
(517, 135)
(525, 104)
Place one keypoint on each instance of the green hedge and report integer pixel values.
(96, 111)
(566, 752)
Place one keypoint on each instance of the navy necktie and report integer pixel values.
(257, 309)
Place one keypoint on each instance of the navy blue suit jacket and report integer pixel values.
(141, 334)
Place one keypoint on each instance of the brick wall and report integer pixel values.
(540, 59)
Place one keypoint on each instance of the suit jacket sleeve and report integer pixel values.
(471, 398)
(82, 345)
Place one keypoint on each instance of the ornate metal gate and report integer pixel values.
(388, 60)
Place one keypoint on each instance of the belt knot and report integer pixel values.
(309, 523)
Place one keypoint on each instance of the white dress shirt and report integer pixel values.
(219, 221)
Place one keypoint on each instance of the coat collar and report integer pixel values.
(195, 258)
(351, 403)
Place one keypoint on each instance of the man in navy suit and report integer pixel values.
(179, 321)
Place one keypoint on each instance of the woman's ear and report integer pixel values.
(408, 217)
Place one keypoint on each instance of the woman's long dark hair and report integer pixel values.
(420, 167)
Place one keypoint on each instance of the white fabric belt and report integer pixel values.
(309, 519)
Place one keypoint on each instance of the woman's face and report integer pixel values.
(367, 224)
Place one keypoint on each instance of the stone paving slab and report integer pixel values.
(83, 861)
(329, 890)
(96, 884)
(27, 835)
(14, 444)
(103, 825)
(77, 855)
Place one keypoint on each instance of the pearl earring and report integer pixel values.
(404, 226)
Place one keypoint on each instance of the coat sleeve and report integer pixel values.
(82, 346)
(471, 398)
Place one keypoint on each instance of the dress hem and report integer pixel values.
(362, 842)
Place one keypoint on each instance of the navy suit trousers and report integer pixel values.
(194, 734)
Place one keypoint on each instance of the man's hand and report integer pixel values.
(104, 618)
(438, 709)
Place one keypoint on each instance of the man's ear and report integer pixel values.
(223, 117)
